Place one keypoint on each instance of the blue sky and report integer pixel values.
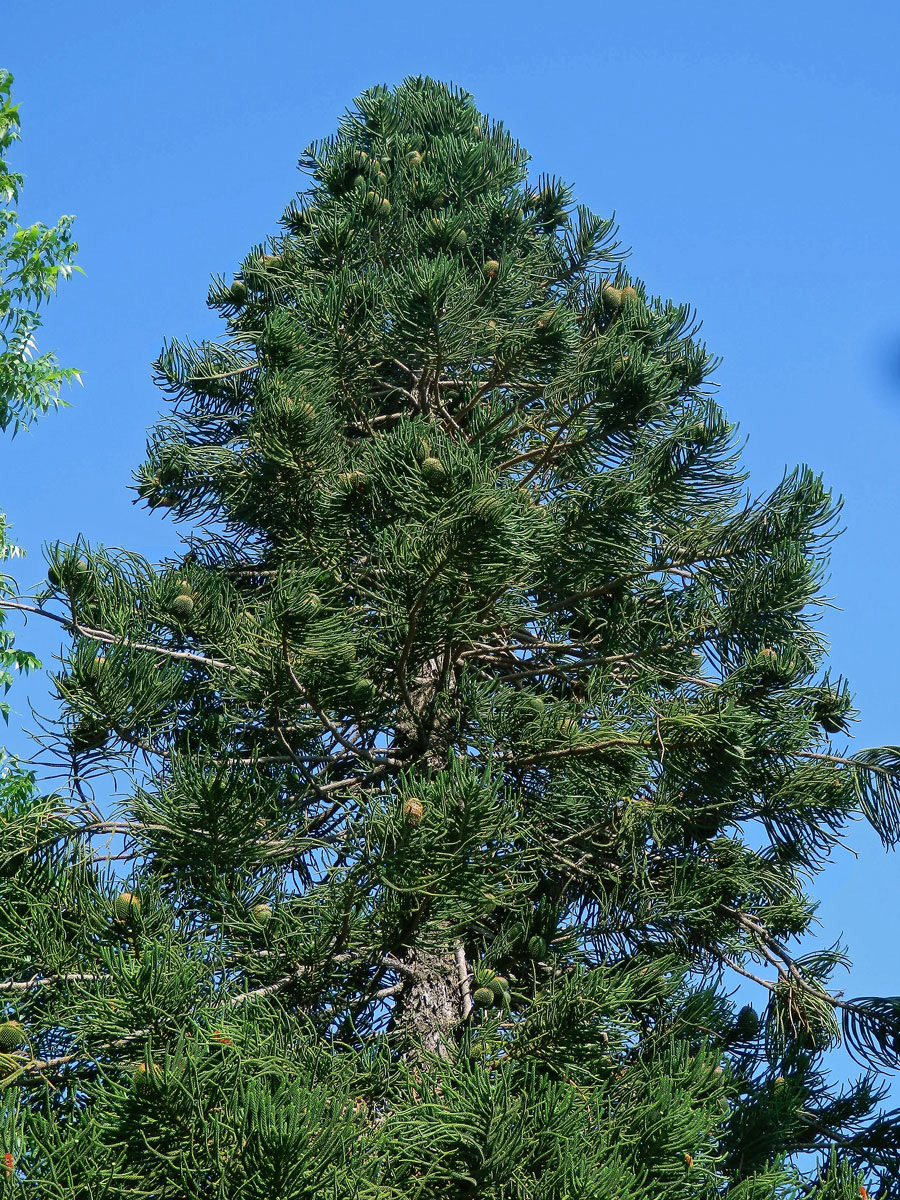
(749, 152)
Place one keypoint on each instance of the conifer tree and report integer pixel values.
(420, 819)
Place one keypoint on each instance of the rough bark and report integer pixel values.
(430, 1007)
(435, 1000)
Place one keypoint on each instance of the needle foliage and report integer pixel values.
(479, 743)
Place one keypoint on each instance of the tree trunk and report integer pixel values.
(431, 1005)
(434, 1000)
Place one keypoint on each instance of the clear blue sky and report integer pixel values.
(749, 152)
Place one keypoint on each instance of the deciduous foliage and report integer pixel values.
(481, 739)
(32, 260)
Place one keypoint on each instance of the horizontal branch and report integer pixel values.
(112, 639)
(572, 751)
(46, 981)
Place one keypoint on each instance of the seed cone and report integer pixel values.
(433, 472)
(413, 811)
(182, 607)
(12, 1037)
(612, 298)
(746, 1025)
(499, 987)
(127, 907)
(88, 734)
(488, 510)
(537, 947)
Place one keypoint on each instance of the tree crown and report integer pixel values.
(482, 732)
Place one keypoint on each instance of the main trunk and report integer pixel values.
(433, 1002)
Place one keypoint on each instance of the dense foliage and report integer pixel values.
(479, 743)
(32, 261)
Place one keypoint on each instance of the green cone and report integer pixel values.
(433, 472)
(127, 907)
(537, 947)
(182, 607)
(746, 1026)
(12, 1037)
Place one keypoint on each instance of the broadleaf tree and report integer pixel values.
(422, 816)
(32, 260)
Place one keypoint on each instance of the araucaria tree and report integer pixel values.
(479, 744)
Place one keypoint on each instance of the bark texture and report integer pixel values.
(431, 1004)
